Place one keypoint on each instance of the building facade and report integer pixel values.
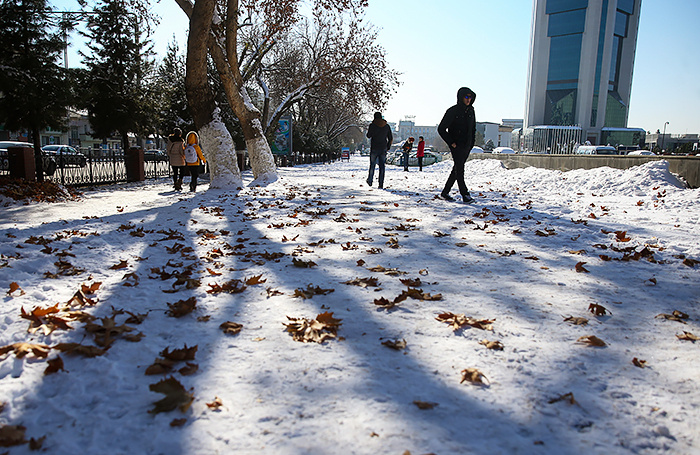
(581, 64)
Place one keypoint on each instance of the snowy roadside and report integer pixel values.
(537, 248)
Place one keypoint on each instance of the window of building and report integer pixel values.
(564, 58)
(560, 107)
(559, 6)
(567, 23)
(615, 111)
(626, 6)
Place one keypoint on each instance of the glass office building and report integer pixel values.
(581, 62)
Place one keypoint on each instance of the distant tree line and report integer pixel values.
(327, 72)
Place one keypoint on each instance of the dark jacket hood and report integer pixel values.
(462, 92)
(380, 122)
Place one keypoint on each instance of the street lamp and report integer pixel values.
(663, 137)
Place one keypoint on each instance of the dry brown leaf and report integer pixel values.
(424, 404)
(687, 336)
(576, 321)
(176, 396)
(182, 307)
(178, 422)
(411, 282)
(92, 288)
(591, 340)
(311, 291)
(216, 404)
(231, 328)
(473, 375)
(395, 344)
(121, 265)
(255, 280)
(22, 349)
(232, 287)
(384, 303)
(80, 349)
(457, 321)
(303, 264)
(495, 345)
(569, 397)
(639, 363)
(12, 435)
(106, 333)
(160, 366)
(80, 299)
(318, 330)
(580, 268)
(598, 310)
(179, 355)
(363, 282)
(15, 287)
(54, 366)
(189, 369)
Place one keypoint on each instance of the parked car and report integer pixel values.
(642, 152)
(65, 155)
(49, 163)
(503, 151)
(477, 149)
(596, 150)
(155, 155)
(429, 157)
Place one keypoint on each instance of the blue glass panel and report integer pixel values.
(564, 57)
(567, 23)
(621, 24)
(558, 6)
(615, 61)
(626, 5)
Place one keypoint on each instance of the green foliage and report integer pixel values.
(120, 84)
(34, 91)
(172, 98)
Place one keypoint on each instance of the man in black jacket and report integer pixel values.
(380, 134)
(458, 129)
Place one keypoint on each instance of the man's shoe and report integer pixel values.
(369, 182)
(447, 197)
(468, 199)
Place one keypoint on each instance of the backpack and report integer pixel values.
(191, 154)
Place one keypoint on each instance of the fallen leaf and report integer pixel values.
(598, 310)
(687, 336)
(121, 265)
(384, 303)
(363, 282)
(80, 349)
(182, 307)
(395, 344)
(255, 280)
(495, 345)
(22, 349)
(639, 363)
(176, 396)
(311, 291)
(473, 375)
(591, 340)
(457, 321)
(576, 321)
(189, 369)
(231, 328)
(178, 422)
(54, 366)
(569, 397)
(15, 287)
(303, 264)
(410, 282)
(12, 435)
(424, 404)
(318, 330)
(216, 404)
(580, 268)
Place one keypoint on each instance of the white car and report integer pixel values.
(642, 152)
(477, 149)
(504, 151)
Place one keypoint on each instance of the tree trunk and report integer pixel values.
(216, 142)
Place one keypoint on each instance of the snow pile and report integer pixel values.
(413, 297)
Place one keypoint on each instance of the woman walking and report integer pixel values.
(193, 158)
(176, 155)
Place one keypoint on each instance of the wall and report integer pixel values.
(687, 167)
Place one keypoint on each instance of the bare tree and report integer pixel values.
(221, 22)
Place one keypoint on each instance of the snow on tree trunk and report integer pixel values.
(261, 160)
(220, 151)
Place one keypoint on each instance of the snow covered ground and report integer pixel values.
(539, 247)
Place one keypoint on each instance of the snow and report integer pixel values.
(510, 257)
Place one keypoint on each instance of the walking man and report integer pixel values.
(380, 134)
(458, 129)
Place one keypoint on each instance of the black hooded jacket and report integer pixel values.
(458, 126)
(380, 134)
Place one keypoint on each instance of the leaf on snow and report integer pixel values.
(311, 291)
(12, 435)
(580, 268)
(54, 366)
(423, 405)
(232, 287)
(80, 349)
(176, 396)
(592, 340)
(395, 344)
(639, 363)
(598, 310)
(677, 316)
(576, 321)
(495, 345)
(687, 336)
(255, 280)
(384, 303)
(231, 328)
(473, 375)
(363, 282)
(122, 265)
(22, 349)
(458, 321)
(411, 282)
(569, 397)
(182, 307)
(15, 287)
(216, 404)
(302, 263)
(318, 330)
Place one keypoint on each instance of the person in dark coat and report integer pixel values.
(406, 149)
(176, 155)
(380, 135)
(458, 130)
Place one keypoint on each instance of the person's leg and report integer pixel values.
(405, 161)
(420, 163)
(452, 177)
(460, 158)
(372, 164)
(381, 160)
(194, 172)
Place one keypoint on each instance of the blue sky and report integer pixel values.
(441, 45)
